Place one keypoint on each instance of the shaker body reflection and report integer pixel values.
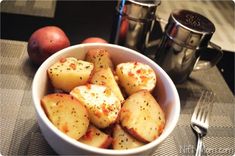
(178, 61)
(132, 34)
(186, 35)
(133, 23)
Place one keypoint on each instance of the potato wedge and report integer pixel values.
(69, 72)
(122, 140)
(105, 77)
(66, 113)
(100, 58)
(102, 104)
(95, 137)
(135, 76)
(142, 116)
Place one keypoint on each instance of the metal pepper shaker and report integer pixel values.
(186, 36)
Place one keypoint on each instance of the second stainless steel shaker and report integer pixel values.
(186, 36)
(134, 22)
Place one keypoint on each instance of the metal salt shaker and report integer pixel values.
(134, 22)
(187, 35)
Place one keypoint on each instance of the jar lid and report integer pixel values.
(193, 21)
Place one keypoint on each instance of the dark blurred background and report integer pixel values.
(82, 19)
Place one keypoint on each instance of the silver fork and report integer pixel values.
(200, 118)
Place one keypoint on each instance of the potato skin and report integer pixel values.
(123, 140)
(69, 72)
(95, 137)
(46, 41)
(142, 116)
(94, 40)
(66, 113)
(135, 76)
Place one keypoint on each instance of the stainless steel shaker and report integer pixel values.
(186, 37)
(134, 23)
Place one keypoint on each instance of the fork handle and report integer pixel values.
(199, 146)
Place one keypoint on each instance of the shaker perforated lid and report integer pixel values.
(189, 29)
(193, 21)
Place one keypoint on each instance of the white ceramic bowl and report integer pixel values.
(165, 93)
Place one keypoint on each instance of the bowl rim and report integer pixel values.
(40, 112)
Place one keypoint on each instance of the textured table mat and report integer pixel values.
(20, 134)
(43, 8)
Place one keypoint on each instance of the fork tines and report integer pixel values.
(203, 108)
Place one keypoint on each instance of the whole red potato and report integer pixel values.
(94, 40)
(46, 41)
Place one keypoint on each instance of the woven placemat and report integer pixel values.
(20, 134)
(43, 8)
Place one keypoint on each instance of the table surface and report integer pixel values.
(20, 133)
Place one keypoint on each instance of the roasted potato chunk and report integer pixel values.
(100, 58)
(135, 76)
(142, 116)
(95, 137)
(102, 104)
(66, 113)
(69, 73)
(105, 77)
(123, 141)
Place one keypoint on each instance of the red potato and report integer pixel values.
(94, 40)
(46, 41)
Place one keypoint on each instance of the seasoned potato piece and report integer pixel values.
(122, 140)
(69, 73)
(142, 116)
(105, 77)
(100, 58)
(66, 113)
(135, 76)
(102, 104)
(95, 137)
